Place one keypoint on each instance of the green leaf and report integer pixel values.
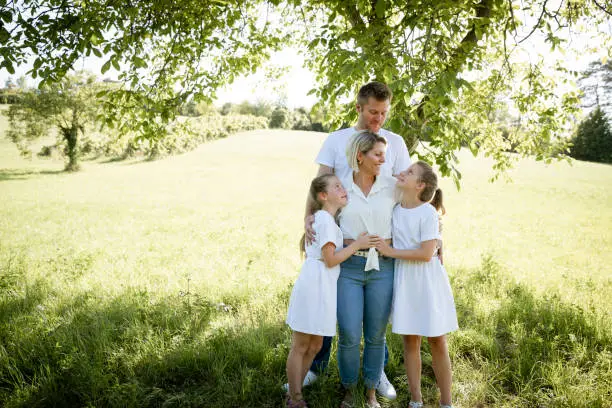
(139, 62)
(407, 99)
(106, 66)
(6, 16)
(381, 7)
(95, 40)
(4, 35)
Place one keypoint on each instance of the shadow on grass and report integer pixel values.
(21, 174)
(114, 159)
(528, 349)
(136, 350)
(135, 160)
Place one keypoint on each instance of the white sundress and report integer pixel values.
(312, 305)
(423, 301)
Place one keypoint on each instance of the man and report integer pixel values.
(373, 104)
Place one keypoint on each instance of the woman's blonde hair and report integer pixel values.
(363, 141)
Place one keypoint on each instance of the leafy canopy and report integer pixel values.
(449, 63)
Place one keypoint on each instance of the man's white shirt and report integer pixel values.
(333, 153)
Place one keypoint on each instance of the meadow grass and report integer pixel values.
(166, 283)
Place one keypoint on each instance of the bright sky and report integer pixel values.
(297, 82)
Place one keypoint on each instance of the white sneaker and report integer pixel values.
(385, 388)
(309, 379)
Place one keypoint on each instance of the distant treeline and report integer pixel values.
(8, 97)
(278, 117)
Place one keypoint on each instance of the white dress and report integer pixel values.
(423, 302)
(312, 306)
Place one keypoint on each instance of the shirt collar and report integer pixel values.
(380, 183)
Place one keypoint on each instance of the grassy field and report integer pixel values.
(165, 283)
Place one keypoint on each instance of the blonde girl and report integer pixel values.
(423, 303)
(312, 306)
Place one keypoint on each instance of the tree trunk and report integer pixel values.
(71, 136)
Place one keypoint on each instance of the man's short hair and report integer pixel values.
(376, 90)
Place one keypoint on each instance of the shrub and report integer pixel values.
(301, 121)
(192, 132)
(593, 139)
(185, 135)
(280, 119)
(9, 98)
(190, 108)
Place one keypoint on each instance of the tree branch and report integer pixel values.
(354, 16)
(428, 37)
(608, 12)
(460, 54)
(535, 27)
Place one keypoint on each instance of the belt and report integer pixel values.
(349, 241)
(364, 254)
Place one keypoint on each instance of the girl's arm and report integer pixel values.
(423, 254)
(331, 257)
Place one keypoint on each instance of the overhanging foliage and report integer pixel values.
(448, 63)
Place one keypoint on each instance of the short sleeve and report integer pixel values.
(429, 225)
(326, 154)
(326, 231)
(402, 161)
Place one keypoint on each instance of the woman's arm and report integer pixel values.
(423, 254)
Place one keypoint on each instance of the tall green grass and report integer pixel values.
(166, 283)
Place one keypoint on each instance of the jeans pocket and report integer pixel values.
(354, 262)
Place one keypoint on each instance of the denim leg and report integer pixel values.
(350, 318)
(377, 307)
(386, 353)
(321, 360)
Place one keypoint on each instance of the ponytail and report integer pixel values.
(431, 193)
(438, 202)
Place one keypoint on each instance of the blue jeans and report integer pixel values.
(321, 360)
(364, 303)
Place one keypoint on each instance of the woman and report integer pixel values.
(365, 285)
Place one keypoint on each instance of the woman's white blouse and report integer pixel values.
(371, 214)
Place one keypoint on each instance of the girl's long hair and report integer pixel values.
(431, 193)
(317, 185)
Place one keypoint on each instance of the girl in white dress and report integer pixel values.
(312, 306)
(423, 303)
